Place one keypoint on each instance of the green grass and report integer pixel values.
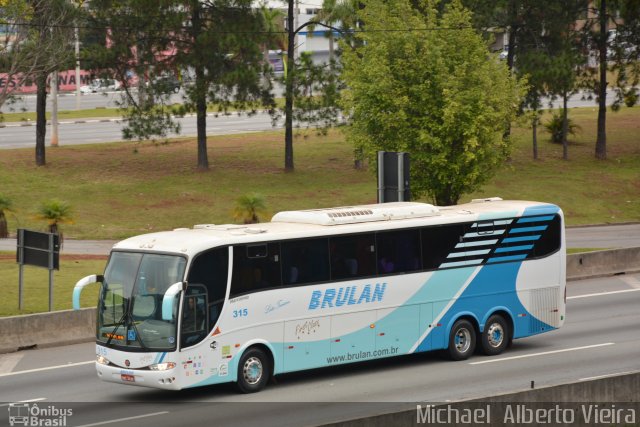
(36, 284)
(123, 189)
(62, 115)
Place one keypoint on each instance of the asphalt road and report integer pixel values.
(601, 337)
(91, 131)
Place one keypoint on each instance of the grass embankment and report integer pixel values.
(91, 113)
(122, 189)
(36, 284)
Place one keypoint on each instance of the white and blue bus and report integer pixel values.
(317, 288)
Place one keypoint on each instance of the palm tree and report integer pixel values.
(55, 212)
(273, 20)
(5, 207)
(248, 207)
(342, 12)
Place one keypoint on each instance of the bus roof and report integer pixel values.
(325, 222)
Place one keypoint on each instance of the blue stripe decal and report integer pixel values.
(520, 239)
(528, 229)
(514, 248)
(162, 357)
(535, 219)
(506, 258)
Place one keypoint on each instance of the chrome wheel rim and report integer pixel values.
(252, 370)
(495, 335)
(462, 340)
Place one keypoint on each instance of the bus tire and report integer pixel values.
(254, 371)
(496, 335)
(462, 340)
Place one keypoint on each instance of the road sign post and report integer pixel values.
(393, 177)
(40, 250)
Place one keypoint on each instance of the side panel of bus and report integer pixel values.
(312, 326)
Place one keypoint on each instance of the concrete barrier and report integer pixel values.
(603, 263)
(47, 329)
(620, 392)
(68, 326)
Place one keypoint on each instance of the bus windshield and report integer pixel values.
(130, 306)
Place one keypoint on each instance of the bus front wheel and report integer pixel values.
(462, 340)
(254, 370)
(496, 335)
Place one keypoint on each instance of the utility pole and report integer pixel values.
(77, 42)
(289, 76)
(54, 109)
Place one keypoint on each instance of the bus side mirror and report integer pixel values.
(169, 299)
(77, 289)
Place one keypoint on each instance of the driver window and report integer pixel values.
(209, 274)
(194, 315)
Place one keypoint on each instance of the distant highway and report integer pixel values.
(91, 131)
(601, 337)
(72, 132)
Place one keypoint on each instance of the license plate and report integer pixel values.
(128, 378)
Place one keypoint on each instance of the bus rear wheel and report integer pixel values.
(496, 335)
(254, 371)
(462, 340)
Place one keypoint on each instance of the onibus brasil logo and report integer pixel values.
(30, 414)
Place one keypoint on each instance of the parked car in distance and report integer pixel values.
(167, 84)
(100, 85)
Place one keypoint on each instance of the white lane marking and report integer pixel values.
(38, 399)
(48, 368)
(603, 293)
(564, 350)
(606, 376)
(124, 419)
(9, 361)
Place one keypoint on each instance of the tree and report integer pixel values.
(611, 36)
(425, 83)
(40, 33)
(548, 55)
(249, 208)
(55, 212)
(5, 207)
(216, 43)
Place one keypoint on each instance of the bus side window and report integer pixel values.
(353, 256)
(305, 261)
(255, 267)
(398, 251)
(438, 242)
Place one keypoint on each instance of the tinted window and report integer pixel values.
(305, 261)
(255, 267)
(352, 256)
(549, 241)
(208, 276)
(438, 243)
(398, 251)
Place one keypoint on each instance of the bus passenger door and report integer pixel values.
(397, 329)
(306, 343)
(353, 336)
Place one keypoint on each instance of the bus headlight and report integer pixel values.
(162, 366)
(102, 360)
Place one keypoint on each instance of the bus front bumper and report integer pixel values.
(167, 380)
